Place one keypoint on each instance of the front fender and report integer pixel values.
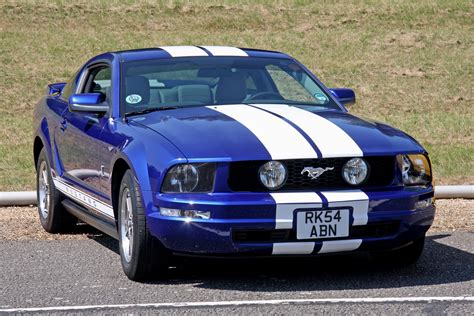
(148, 155)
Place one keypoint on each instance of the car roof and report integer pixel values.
(194, 51)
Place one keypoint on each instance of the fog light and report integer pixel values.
(170, 212)
(423, 204)
(188, 214)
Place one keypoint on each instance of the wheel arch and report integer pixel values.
(37, 147)
(119, 168)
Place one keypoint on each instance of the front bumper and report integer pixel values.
(248, 224)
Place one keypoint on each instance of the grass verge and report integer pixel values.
(411, 63)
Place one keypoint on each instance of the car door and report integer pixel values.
(79, 133)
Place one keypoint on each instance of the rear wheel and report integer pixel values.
(141, 254)
(53, 217)
(403, 256)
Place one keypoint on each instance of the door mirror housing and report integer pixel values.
(344, 95)
(88, 102)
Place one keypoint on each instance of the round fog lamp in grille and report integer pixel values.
(273, 175)
(355, 171)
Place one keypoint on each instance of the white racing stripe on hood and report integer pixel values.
(280, 139)
(184, 51)
(225, 51)
(331, 140)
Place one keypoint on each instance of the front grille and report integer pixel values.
(243, 175)
(375, 230)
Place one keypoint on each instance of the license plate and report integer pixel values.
(322, 224)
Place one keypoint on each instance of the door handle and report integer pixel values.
(63, 125)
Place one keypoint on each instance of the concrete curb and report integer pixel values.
(23, 198)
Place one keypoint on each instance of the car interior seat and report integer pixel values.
(231, 88)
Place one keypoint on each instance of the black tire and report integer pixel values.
(147, 257)
(53, 217)
(401, 257)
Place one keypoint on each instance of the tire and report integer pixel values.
(53, 217)
(401, 257)
(142, 255)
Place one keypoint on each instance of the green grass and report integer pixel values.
(411, 63)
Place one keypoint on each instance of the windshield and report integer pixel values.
(199, 81)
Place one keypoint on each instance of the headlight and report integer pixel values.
(416, 169)
(273, 175)
(355, 171)
(189, 178)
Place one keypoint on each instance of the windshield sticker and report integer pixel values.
(321, 98)
(133, 98)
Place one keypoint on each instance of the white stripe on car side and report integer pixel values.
(84, 198)
(340, 245)
(184, 51)
(331, 140)
(225, 51)
(357, 199)
(293, 248)
(287, 202)
(281, 140)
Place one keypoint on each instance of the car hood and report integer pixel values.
(260, 132)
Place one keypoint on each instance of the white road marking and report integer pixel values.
(429, 299)
(331, 140)
(184, 51)
(280, 139)
(225, 51)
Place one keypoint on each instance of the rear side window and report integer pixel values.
(69, 87)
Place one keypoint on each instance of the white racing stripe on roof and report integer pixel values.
(330, 139)
(184, 51)
(280, 139)
(225, 51)
(288, 202)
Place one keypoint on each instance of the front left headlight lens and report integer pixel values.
(416, 169)
(185, 178)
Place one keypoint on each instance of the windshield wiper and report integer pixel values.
(145, 111)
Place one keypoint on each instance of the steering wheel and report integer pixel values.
(266, 95)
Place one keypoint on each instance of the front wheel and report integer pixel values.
(141, 254)
(403, 256)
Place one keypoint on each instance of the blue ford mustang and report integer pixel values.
(221, 151)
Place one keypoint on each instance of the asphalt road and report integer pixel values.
(88, 272)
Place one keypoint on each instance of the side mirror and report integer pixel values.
(344, 95)
(88, 102)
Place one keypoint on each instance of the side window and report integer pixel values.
(287, 86)
(99, 81)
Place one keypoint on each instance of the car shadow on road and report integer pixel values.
(440, 264)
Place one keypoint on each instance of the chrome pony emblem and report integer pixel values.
(315, 173)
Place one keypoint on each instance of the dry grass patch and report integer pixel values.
(411, 63)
